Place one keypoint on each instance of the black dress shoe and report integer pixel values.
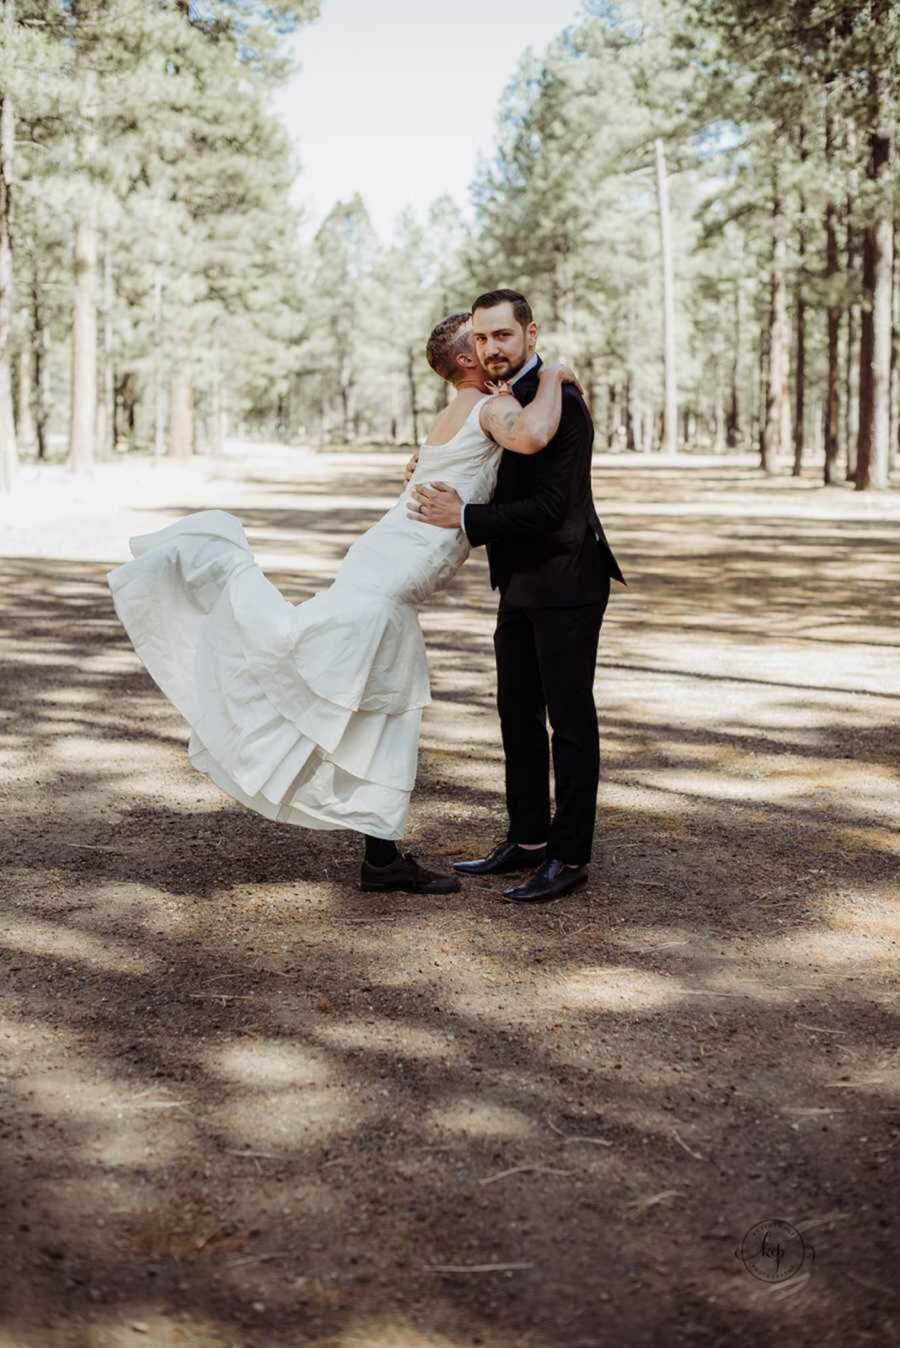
(404, 873)
(553, 880)
(505, 858)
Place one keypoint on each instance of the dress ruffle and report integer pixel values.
(308, 713)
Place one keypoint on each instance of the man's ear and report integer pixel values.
(531, 334)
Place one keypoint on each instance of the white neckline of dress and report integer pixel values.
(423, 444)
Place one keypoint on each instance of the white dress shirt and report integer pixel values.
(529, 365)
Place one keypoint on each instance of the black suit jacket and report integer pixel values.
(546, 546)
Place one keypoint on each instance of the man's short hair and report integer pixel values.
(447, 341)
(521, 307)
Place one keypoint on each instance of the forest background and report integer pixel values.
(699, 199)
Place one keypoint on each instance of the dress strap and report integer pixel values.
(476, 410)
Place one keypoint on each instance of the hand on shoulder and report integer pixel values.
(564, 373)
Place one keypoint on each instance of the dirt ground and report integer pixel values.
(245, 1104)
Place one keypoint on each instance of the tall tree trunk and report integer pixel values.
(800, 325)
(733, 421)
(799, 385)
(629, 413)
(84, 324)
(395, 407)
(895, 366)
(181, 417)
(873, 453)
(411, 387)
(851, 404)
(39, 340)
(126, 396)
(777, 434)
(832, 266)
(832, 385)
(762, 401)
(218, 415)
(668, 285)
(26, 436)
(7, 178)
(159, 397)
(105, 404)
(612, 413)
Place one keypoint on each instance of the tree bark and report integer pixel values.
(873, 453)
(833, 320)
(181, 417)
(777, 433)
(800, 326)
(668, 284)
(39, 339)
(612, 413)
(8, 456)
(895, 363)
(851, 404)
(105, 404)
(411, 387)
(26, 437)
(629, 413)
(733, 420)
(762, 401)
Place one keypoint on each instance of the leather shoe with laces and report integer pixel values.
(505, 858)
(550, 881)
(404, 873)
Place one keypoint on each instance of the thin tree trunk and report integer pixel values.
(777, 434)
(159, 404)
(181, 418)
(873, 454)
(8, 457)
(832, 267)
(39, 341)
(800, 327)
(411, 386)
(799, 386)
(105, 405)
(851, 406)
(629, 413)
(217, 416)
(611, 415)
(763, 373)
(668, 283)
(26, 437)
(733, 422)
(395, 407)
(895, 365)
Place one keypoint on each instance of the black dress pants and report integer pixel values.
(546, 659)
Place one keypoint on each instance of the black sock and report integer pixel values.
(380, 851)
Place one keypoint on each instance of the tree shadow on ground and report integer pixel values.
(244, 1099)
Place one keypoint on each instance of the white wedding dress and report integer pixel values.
(307, 713)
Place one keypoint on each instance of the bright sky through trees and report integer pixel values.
(395, 99)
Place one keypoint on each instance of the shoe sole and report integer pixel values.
(547, 898)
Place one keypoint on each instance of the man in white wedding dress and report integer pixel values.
(309, 713)
(552, 565)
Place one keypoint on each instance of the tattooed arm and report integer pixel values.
(527, 430)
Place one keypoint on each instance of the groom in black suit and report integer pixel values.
(550, 560)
